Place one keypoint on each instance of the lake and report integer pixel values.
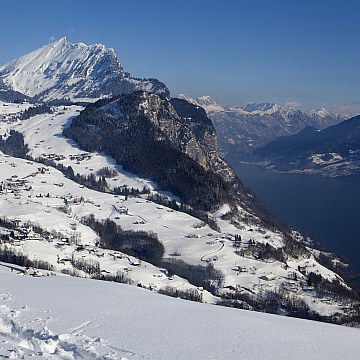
(327, 209)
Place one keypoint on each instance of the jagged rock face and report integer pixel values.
(193, 135)
(73, 71)
(197, 137)
(185, 126)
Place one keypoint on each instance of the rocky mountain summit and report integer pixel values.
(62, 70)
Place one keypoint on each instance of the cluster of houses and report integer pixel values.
(9, 118)
(53, 156)
(80, 157)
(20, 232)
(56, 157)
(14, 185)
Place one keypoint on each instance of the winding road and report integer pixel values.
(212, 252)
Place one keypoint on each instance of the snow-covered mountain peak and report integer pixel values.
(65, 70)
(267, 107)
(209, 104)
(321, 113)
(62, 40)
(188, 99)
(205, 101)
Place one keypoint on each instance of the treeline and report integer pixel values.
(90, 266)
(12, 256)
(7, 224)
(190, 294)
(282, 302)
(12, 96)
(278, 301)
(36, 110)
(14, 145)
(172, 204)
(346, 270)
(267, 252)
(141, 244)
(206, 277)
(134, 192)
(333, 288)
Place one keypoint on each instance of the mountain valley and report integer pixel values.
(121, 183)
(331, 152)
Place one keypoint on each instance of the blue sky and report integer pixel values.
(305, 52)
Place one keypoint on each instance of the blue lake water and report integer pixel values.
(325, 208)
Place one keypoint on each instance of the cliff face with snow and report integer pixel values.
(73, 71)
(171, 142)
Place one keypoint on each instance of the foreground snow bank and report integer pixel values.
(59, 317)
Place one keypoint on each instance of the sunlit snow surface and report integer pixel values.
(59, 317)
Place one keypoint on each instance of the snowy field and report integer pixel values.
(60, 317)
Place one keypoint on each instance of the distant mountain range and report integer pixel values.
(62, 70)
(242, 129)
(334, 151)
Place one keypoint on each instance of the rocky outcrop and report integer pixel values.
(171, 142)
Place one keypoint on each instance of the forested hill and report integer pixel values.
(172, 143)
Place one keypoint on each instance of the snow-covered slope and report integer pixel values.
(76, 71)
(102, 320)
(34, 196)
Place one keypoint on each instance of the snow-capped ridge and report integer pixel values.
(73, 71)
(323, 113)
(205, 101)
(267, 107)
(244, 128)
(188, 99)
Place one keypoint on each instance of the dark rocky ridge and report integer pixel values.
(172, 143)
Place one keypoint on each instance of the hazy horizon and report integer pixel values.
(299, 53)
